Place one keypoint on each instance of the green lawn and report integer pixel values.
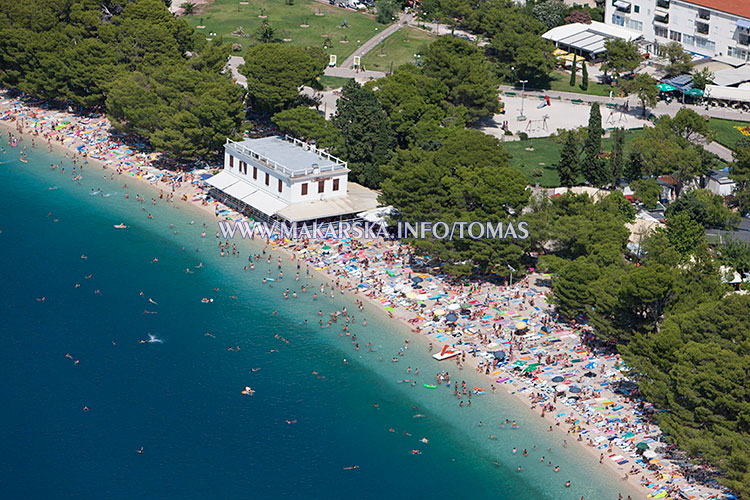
(561, 83)
(726, 134)
(545, 156)
(333, 82)
(397, 49)
(224, 17)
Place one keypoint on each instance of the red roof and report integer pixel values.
(737, 7)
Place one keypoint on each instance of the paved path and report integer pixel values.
(233, 64)
(374, 41)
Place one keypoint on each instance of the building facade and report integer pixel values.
(705, 28)
(284, 178)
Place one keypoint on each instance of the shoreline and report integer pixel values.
(334, 271)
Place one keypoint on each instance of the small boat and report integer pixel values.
(248, 391)
(206, 301)
(120, 226)
(430, 386)
(416, 452)
(24, 160)
(446, 353)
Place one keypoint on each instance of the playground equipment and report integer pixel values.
(530, 124)
(545, 102)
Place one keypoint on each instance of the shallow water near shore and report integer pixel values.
(180, 399)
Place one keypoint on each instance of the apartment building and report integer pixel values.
(705, 28)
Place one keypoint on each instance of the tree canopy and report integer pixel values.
(275, 72)
(149, 70)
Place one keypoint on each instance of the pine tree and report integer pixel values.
(617, 159)
(567, 167)
(634, 167)
(584, 76)
(573, 72)
(594, 169)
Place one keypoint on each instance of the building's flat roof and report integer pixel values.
(732, 76)
(358, 199)
(288, 156)
(737, 7)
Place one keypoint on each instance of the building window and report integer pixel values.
(268, 179)
(634, 25)
(304, 189)
(280, 185)
(661, 31)
(675, 35)
(618, 20)
(636, 9)
(704, 14)
(688, 39)
(231, 161)
(335, 184)
(321, 186)
(704, 43)
(255, 173)
(701, 28)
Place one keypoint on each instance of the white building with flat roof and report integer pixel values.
(705, 28)
(587, 39)
(285, 178)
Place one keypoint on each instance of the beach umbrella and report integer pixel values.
(641, 446)
(417, 279)
(650, 454)
(411, 295)
(521, 325)
(589, 374)
(665, 87)
(499, 355)
(438, 312)
(561, 388)
(558, 379)
(575, 389)
(453, 307)
(465, 305)
(693, 92)
(451, 317)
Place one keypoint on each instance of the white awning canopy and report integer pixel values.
(727, 93)
(622, 4)
(222, 180)
(240, 190)
(265, 203)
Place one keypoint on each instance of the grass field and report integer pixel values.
(561, 83)
(726, 134)
(545, 156)
(333, 82)
(224, 16)
(397, 49)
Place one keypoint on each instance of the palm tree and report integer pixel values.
(187, 8)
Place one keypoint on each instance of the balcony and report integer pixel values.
(662, 4)
(622, 6)
(744, 40)
(704, 14)
(701, 28)
(661, 18)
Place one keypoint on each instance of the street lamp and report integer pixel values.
(521, 117)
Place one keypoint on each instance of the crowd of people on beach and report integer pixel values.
(510, 333)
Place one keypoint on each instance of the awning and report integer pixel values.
(743, 23)
(661, 12)
(622, 4)
(240, 190)
(222, 180)
(264, 202)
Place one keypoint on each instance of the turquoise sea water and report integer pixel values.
(180, 399)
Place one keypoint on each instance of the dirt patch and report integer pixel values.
(200, 7)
